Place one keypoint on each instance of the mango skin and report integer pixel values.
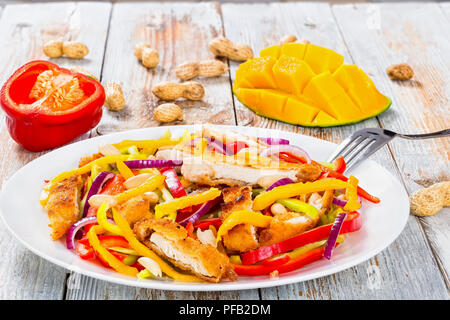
(344, 90)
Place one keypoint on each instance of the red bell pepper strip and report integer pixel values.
(293, 264)
(235, 147)
(190, 229)
(292, 158)
(38, 123)
(361, 192)
(351, 224)
(204, 224)
(340, 165)
(177, 190)
(276, 261)
(173, 182)
(84, 251)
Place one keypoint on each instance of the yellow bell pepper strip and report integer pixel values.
(149, 185)
(124, 170)
(187, 201)
(103, 220)
(300, 206)
(351, 194)
(149, 146)
(240, 217)
(85, 169)
(266, 198)
(107, 256)
(144, 251)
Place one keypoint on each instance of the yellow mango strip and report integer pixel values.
(124, 170)
(115, 263)
(186, 201)
(151, 184)
(144, 251)
(103, 220)
(244, 216)
(351, 194)
(266, 198)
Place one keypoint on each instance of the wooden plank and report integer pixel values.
(25, 276)
(420, 105)
(383, 275)
(180, 32)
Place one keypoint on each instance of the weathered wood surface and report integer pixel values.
(180, 33)
(409, 268)
(383, 275)
(420, 105)
(23, 32)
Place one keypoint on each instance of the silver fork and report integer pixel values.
(363, 143)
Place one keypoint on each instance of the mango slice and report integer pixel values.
(273, 51)
(292, 74)
(258, 72)
(307, 85)
(360, 88)
(322, 59)
(296, 50)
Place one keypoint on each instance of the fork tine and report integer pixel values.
(372, 148)
(358, 149)
(343, 146)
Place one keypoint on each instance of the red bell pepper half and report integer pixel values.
(351, 224)
(34, 121)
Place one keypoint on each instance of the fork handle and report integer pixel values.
(438, 134)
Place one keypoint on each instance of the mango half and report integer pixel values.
(307, 85)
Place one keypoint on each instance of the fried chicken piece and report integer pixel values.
(86, 159)
(308, 172)
(62, 206)
(287, 225)
(242, 237)
(135, 209)
(170, 240)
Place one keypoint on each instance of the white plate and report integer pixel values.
(28, 222)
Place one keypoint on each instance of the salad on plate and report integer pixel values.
(212, 206)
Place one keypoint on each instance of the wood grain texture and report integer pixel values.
(420, 105)
(391, 274)
(180, 33)
(23, 274)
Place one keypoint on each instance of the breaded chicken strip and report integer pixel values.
(287, 225)
(242, 237)
(135, 209)
(170, 240)
(62, 206)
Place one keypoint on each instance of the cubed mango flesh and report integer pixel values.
(324, 119)
(296, 50)
(292, 74)
(322, 59)
(298, 112)
(258, 72)
(273, 51)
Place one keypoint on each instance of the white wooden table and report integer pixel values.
(374, 36)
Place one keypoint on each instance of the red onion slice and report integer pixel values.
(204, 209)
(96, 187)
(274, 141)
(334, 233)
(276, 149)
(280, 182)
(70, 237)
(339, 202)
(142, 164)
